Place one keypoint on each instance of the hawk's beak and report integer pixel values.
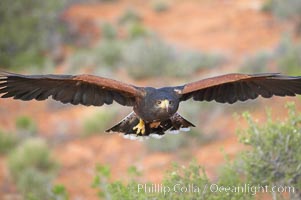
(165, 104)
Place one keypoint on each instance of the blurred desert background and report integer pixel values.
(146, 43)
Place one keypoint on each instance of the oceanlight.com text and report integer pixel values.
(213, 188)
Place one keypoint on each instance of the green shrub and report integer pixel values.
(129, 16)
(288, 9)
(137, 30)
(108, 31)
(150, 57)
(34, 184)
(146, 57)
(267, 6)
(288, 56)
(284, 9)
(26, 127)
(26, 123)
(28, 28)
(83, 57)
(32, 153)
(160, 6)
(186, 62)
(185, 176)
(109, 53)
(276, 152)
(98, 122)
(33, 169)
(7, 142)
(176, 181)
(143, 55)
(257, 63)
(59, 192)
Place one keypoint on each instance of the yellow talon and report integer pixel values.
(140, 127)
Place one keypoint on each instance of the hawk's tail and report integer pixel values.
(155, 129)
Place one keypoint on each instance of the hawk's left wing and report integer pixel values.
(230, 88)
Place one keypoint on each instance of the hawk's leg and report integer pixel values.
(140, 127)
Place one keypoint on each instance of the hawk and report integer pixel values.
(154, 109)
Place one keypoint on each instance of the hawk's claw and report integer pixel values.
(140, 127)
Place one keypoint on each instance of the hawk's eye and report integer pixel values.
(158, 102)
(170, 102)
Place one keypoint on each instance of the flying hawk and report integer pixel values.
(154, 109)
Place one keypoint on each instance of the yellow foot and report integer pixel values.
(140, 128)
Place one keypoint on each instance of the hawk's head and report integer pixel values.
(159, 104)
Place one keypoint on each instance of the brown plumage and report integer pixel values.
(155, 110)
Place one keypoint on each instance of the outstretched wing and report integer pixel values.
(82, 89)
(230, 88)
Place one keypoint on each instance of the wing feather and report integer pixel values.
(230, 88)
(82, 89)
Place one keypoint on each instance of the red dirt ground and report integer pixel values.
(234, 27)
